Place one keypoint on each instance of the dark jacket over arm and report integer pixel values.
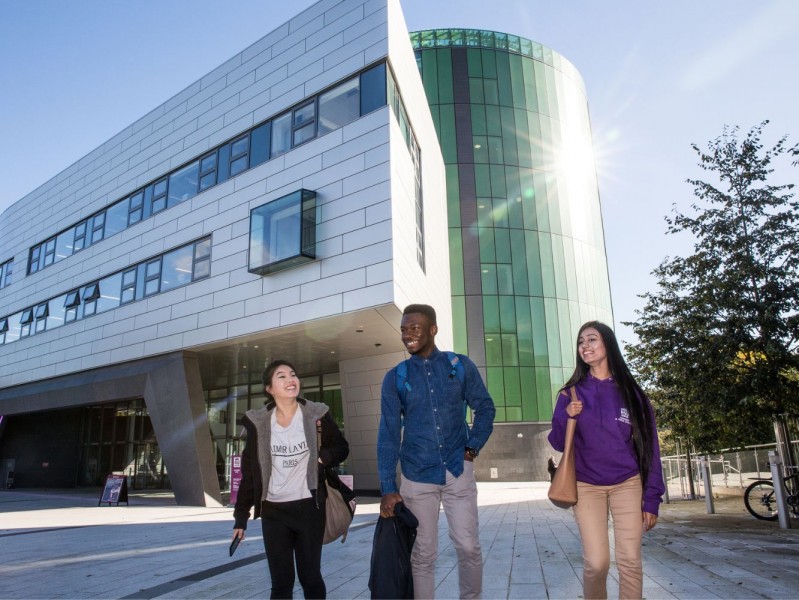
(391, 575)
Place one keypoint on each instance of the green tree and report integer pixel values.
(718, 337)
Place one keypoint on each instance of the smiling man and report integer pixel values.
(423, 426)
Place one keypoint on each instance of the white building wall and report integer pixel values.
(361, 379)
(362, 173)
(411, 284)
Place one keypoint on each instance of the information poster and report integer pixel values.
(115, 490)
(235, 477)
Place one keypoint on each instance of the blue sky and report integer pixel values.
(659, 77)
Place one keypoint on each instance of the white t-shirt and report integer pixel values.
(289, 461)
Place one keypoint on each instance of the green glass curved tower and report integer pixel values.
(527, 249)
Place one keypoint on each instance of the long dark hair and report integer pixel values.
(269, 372)
(635, 400)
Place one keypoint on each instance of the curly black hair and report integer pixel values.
(422, 309)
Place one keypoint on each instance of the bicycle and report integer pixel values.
(761, 501)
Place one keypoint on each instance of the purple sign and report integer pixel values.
(235, 477)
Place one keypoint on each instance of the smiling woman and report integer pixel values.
(617, 459)
(283, 478)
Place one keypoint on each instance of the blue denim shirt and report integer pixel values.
(436, 431)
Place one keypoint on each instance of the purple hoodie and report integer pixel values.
(603, 443)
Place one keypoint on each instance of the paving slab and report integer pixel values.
(60, 544)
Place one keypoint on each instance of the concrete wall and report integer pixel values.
(515, 452)
(361, 381)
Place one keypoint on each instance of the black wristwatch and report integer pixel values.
(472, 452)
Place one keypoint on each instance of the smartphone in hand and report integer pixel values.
(234, 544)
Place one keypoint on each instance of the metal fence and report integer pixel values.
(731, 470)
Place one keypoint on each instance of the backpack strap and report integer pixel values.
(457, 367)
(403, 385)
(457, 370)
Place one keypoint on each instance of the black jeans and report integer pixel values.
(294, 530)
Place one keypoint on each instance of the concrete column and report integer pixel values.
(361, 380)
(173, 394)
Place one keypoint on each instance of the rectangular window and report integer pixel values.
(25, 322)
(135, 210)
(152, 277)
(3, 330)
(55, 310)
(417, 164)
(90, 295)
(5, 273)
(71, 304)
(283, 233)
(339, 106)
(281, 135)
(14, 328)
(202, 259)
(116, 217)
(33, 261)
(49, 253)
(109, 292)
(80, 236)
(373, 88)
(208, 171)
(128, 286)
(392, 95)
(41, 313)
(183, 184)
(158, 196)
(98, 227)
(260, 143)
(239, 155)
(177, 268)
(404, 123)
(63, 244)
(223, 160)
(304, 123)
(401, 115)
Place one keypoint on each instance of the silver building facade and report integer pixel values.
(279, 207)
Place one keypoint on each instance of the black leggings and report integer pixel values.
(294, 530)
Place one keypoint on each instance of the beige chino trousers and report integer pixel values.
(623, 502)
(459, 498)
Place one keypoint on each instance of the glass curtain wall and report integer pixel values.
(527, 248)
(119, 438)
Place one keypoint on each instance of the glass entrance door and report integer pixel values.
(119, 438)
(148, 467)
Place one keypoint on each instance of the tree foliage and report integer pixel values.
(718, 337)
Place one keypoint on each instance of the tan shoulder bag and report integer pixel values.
(563, 489)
